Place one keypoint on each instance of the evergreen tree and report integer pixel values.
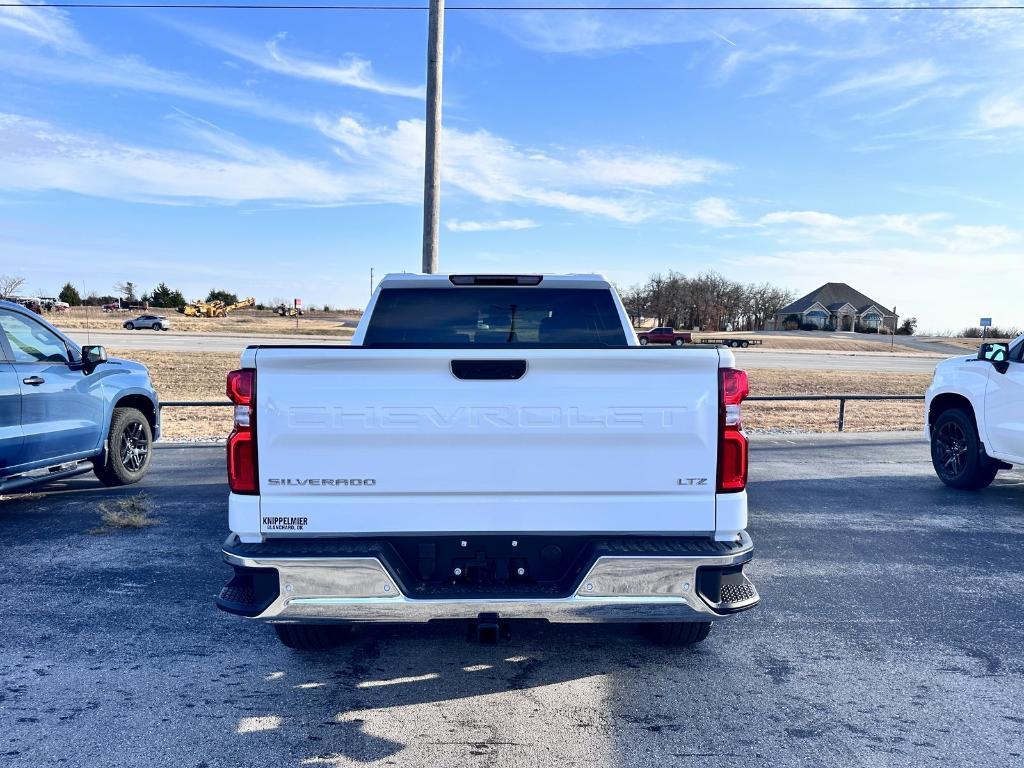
(163, 296)
(69, 295)
(218, 295)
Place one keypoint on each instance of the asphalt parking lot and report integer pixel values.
(889, 634)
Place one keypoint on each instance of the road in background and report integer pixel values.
(799, 359)
(193, 342)
(934, 344)
(888, 634)
(837, 361)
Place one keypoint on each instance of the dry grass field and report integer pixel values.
(247, 321)
(200, 376)
(968, 345)
(869, 416)
(195, 376)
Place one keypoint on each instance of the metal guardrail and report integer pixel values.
(752, 398)
(195, 404)
(841, 398)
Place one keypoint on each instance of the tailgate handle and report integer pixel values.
(488, 370)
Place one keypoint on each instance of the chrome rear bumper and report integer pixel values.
(615, 589)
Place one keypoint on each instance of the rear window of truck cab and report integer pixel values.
(495, 317)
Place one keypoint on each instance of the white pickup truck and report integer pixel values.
(489, 448)
(975, 415)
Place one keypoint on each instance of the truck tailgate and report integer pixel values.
(355, 441)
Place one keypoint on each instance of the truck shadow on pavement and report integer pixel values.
(369, 701)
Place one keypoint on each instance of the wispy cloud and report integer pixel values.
(976, 24)
(773, 66)
(455, 225)
(370, 165)
(901, 76)
(828, 227)
(946, 92)
(351, 71)
(36, 155)
(43, 25)
(1003, 111)
(133, 74)
(589, 32)
(72, 59)
(982, 238)
(823, 226)
(715, 212)
(792, 53)
(612, 184)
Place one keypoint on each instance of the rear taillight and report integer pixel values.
(732, 444)
(241, 389)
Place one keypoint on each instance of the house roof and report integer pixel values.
(834, 296)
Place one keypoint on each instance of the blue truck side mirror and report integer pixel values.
(92, 356)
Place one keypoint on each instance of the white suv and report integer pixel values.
(155, 322)
(975, 415)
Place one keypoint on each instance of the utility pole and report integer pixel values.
(432, 172)
(371, 281)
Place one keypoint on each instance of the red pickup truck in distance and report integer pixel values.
(665, 336)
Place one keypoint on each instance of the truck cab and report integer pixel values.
(975, 415)
(66, 409)
(479, 453)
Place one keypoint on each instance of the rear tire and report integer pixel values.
(129, 449)
(957, 453)
(678, 342)
(312, 637)
(130, 326)
(643, 342)
(679, 633)
(744, 344)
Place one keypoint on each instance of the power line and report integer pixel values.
(513, 8)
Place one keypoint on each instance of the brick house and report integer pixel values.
(838, 307)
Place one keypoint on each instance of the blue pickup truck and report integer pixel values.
(66, 409)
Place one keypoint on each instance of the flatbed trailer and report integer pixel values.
(728, 342)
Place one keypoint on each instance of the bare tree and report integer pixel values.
(658, 299)
(10, 285)
(708, 301)
(635, 301)
(127, 290)
(765, 302)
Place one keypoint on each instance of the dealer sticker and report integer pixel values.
(285, 523)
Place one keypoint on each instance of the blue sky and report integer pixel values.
(279, 153)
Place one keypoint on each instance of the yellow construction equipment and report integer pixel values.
(243, 304)
(198, 309)
(215, 308)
